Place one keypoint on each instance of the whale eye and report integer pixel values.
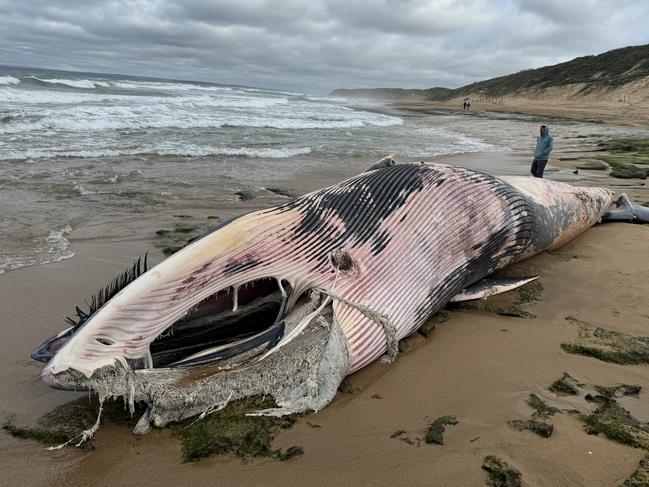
(105, 341)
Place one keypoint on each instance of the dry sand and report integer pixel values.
(477, 366)
(624, 105)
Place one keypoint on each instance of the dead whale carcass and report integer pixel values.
(289, 300)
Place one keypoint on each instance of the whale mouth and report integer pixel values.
(237, 321)
(227, 323)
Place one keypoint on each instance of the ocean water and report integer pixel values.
(88, 156)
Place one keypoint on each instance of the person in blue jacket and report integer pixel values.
(544, 145)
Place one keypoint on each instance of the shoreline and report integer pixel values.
(618, 115)
(477, 365)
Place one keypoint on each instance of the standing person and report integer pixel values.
(468, 105)
(465, 104)
(544, 145)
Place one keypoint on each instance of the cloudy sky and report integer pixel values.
(315, 45)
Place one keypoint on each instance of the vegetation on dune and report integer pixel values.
(607, 70)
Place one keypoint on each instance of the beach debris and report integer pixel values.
(607, 345)
(436, 429)
(566, 385)
(377, 396)
(501, 474)
(639, 478)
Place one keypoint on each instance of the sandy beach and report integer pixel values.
(477, 365)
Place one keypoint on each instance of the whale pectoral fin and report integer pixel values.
(627, 211)
(490, 287)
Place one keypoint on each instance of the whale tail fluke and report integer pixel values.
(626, 210)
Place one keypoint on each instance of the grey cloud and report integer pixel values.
(316, 45)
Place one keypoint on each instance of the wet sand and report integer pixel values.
(477, 366)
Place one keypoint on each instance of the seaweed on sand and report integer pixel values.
(538, 422)
(566, 385)
(435, 431)
(67, 421)
(232, 431)
(501, 474)
(617, 424)
(639, 478)
(608, 345)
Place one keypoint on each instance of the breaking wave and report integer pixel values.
(44, 250)
(9, 80)
(159, 150)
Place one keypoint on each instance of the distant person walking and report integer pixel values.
(544, 145)
(465, 104)
(468, 105)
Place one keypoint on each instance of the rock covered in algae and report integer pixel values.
(608, 345)
(501, 474)
(435, 431)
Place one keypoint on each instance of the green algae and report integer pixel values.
(501, 474)
(485, 306)
(529, 293)
(436, 429)
(541, 428)
(608, 345)
(624, 156)
(617, 424)
(566, 385)
(67, 421)
(231, 431)
(537, 423)
(592, 165)
(541, 409)
(639, 478)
